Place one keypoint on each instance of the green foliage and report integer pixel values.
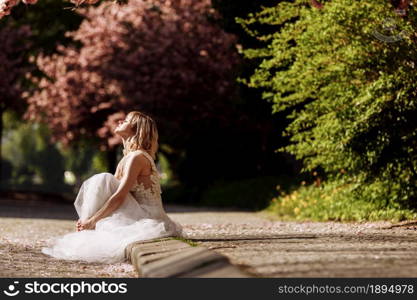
(31, 162)
(348, 89)
(83, 159)
(166, 170)
(99, 162)
(336, 201)
(32, 158)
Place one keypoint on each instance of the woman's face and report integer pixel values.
(124, 129)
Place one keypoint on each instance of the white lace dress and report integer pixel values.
(140, 217)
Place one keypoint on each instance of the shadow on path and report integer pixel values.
(66, 211)
(263, 238)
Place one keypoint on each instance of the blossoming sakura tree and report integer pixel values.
(163, 57)
(7, 5)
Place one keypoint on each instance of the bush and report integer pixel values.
(349, 91)
(336, 201)
(33, 159)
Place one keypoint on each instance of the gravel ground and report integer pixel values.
(260, 246)
(21, 240)
(270, 248)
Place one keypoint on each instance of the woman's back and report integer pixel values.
(147, 189)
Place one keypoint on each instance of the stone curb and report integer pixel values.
(169, 257)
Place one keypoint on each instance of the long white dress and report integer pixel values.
(140, 217)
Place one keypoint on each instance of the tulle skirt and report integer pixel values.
(107, 242)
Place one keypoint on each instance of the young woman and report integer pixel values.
(116, 210)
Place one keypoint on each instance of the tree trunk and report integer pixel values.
(1, 135)
(111, 159)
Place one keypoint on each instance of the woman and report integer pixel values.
(116, 210)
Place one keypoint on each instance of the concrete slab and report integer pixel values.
(174, 258)
(219, 269)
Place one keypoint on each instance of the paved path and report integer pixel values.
(266, 248)
(262, 247)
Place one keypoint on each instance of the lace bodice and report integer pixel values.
(148, 194)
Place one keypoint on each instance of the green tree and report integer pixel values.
(345, 76)
(34, 160)
(26, 32)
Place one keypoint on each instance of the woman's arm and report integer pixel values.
(134, 166)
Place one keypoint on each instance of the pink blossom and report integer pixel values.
(30, 1)
(6, 7)
(163, 57)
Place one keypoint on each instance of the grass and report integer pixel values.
(189, 242)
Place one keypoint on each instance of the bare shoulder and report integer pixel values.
(139, 158)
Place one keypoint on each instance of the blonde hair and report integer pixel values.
(145, 135)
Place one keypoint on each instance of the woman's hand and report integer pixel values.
(78, 226)
(87, 225)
